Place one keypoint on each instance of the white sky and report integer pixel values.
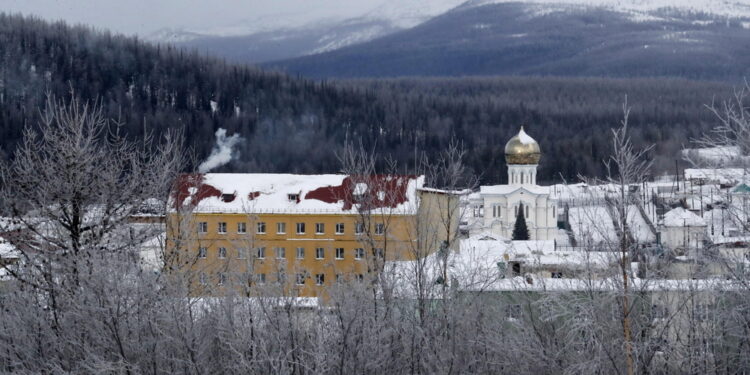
(143, 17)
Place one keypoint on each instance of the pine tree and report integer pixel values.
(520, 231)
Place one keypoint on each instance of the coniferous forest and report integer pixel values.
(292, 124)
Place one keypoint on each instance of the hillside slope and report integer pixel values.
(297, 126)
(491, 38)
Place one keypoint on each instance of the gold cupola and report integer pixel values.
(522, 149)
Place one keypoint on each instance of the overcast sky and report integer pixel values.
(143, 17)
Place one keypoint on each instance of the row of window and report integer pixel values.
(300, 279)
(280, 253)
(281, 228)
(497, 211)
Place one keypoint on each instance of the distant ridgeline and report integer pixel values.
(295, 125)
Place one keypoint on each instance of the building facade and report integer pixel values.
(496, 208)
(294, 234)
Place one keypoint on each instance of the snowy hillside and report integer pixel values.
(303, 28)
(641, 7)
(604, 38)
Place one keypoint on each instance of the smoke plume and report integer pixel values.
(222, 151)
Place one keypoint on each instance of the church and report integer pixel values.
(496, 208)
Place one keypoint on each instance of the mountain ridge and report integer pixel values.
(510, 38)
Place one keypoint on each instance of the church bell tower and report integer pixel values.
(522, 156)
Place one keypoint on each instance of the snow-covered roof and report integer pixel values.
(719, 154)
(593, 224)
(517, 284)
(489, 249)
(443, 191)
(7, 250)
(152, 252)
(680, 217)
(721, 175)
(295, 193)
(508, 189)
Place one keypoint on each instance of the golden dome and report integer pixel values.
(522, 149)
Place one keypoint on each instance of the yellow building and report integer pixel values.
(297, 234)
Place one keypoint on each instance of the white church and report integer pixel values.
(496, 207)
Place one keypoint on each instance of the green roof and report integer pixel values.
(741, 188)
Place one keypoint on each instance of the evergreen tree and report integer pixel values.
(520, 231)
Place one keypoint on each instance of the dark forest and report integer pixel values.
(296, 125)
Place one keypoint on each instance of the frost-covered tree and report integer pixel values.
(69, 196)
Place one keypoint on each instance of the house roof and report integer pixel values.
(741, 189)
(295, 193)
(721, 175)
(680, 217)
(508, 189)
(7, 250)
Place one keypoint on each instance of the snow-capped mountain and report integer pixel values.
(638, 7)
(324, 37)
(696, 39)
(315, 27)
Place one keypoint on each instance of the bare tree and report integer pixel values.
(70, 192)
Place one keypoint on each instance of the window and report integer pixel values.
(261, 252)
(300, 228)
(241, 253)
(242, 227)
(379, 252)
(359, 253)
(659, 312)
(379, 228)
(360, 277)
(513, 311)
(339, 253)
(340, 228)
(702, 312)
(280, 228)
(260, 278)
(202, 252)
(203, 279)
(222, 252)
(319, 253)
(280, 252)
(553, 213)
(320, 279)
(494, 211)
(300, 253)
(516, 268)
(293, 197)
(280, 278)
(203, 227)
(222, 278)
(222, 227)
(339, 278)
(359, 228)
(261, 228)
(300, 279)
(320, 228)
(527, 212)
